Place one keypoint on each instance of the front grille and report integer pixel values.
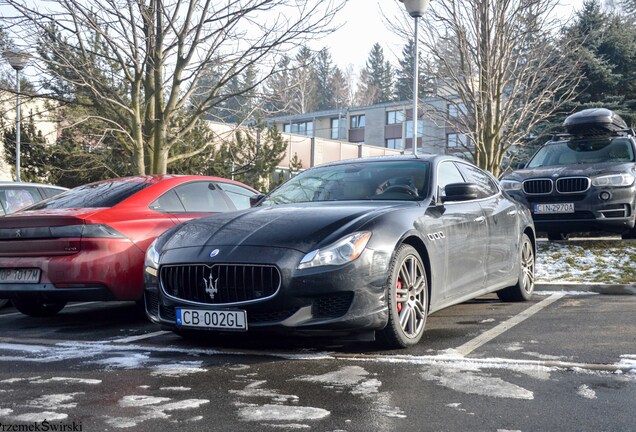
(220, 283)
(572, 184)
(537, 186)
(167, 313)
(332, 305)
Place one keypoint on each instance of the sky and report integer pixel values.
(363, 25)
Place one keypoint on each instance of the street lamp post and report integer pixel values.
(18, 61)
(415, 8)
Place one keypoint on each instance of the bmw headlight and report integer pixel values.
(614, 180)
(345, 250)
(152, 257)
(510, 185)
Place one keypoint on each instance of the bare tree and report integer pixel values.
(139, 62)
(501, 68)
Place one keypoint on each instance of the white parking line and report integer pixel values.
(65, 307)
(486, 337)
(140, 337)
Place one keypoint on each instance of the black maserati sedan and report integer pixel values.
(354, 248)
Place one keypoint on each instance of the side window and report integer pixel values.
(239, 195)
(51, 192)
(202, 197)
(168, 203)
(448, 173)
(20, 198)
(487, 186)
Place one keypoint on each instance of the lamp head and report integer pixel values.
(415, 8)
(16, 59)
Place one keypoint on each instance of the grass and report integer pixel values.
(586, 261)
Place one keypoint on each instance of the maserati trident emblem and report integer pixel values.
(210, 286)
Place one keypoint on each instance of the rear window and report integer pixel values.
(94, 195)
(13, 199)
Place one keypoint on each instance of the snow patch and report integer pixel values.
(471, 382)
(125, 361)
(567, 293)
(55, 401)
(179, 369)
(5, 412)
(140, 400)
(489, 320)
(148, 405)
(586, 392)
(40, 417)
(175, 388)
(254, 389)
(272, 412)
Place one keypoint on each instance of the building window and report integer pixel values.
(394, 143)
(454, 140)
(455, 110)
(300, 128)
(394, 117)
(409, 129)
(357, 121)
(335, 128)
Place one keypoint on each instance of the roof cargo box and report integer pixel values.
(594, 121)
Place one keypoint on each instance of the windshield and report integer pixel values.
(94, 195)
(385, 180)
(588, 151)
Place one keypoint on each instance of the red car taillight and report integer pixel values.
(85, 231)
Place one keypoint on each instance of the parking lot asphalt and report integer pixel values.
(566, 360)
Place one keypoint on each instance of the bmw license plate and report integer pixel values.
(553, 208)
(19, 275)
(212, 319)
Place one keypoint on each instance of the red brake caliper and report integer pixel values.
(399, 286)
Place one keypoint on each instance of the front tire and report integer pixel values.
(522, 291)
(407, 299)
(37, 308)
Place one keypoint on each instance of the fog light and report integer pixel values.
(605, 195)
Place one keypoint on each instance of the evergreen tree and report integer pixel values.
(404, 82)
(34, 155)
(341, 91)
(278, 89)
(376, 79)
(304, 81)
(324, 80)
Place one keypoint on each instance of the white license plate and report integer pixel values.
(19, 275)
(211, 319)
(554, 208)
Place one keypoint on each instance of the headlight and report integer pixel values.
(152, 256)
(345, 250)
(614, 180)
(510, 185)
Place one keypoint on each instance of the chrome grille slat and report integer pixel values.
(235, 283)
(567, 185)
(538, 186)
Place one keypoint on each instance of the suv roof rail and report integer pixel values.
(594, 133)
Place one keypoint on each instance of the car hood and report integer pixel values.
(302, 227)
(585, 170)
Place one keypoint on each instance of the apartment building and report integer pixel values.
(388, 125)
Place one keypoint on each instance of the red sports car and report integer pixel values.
(89, 243)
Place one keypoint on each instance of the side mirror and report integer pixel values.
(460, 192)
(255, 199)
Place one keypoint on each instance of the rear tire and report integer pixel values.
(407, 299)
(37, 308)
(522, 291)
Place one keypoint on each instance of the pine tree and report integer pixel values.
(376, 79)
(341, 91)
(34, 155)
(404, 82)
(304, 78)
(324, 80)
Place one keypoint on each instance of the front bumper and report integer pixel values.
(345, 299)
(591, 213)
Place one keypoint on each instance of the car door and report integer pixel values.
(501, 216)
(465, 232)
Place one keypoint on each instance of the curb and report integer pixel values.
(608, 289)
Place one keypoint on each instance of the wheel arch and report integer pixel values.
(420, 247)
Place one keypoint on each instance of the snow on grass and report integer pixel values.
(587, 262)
